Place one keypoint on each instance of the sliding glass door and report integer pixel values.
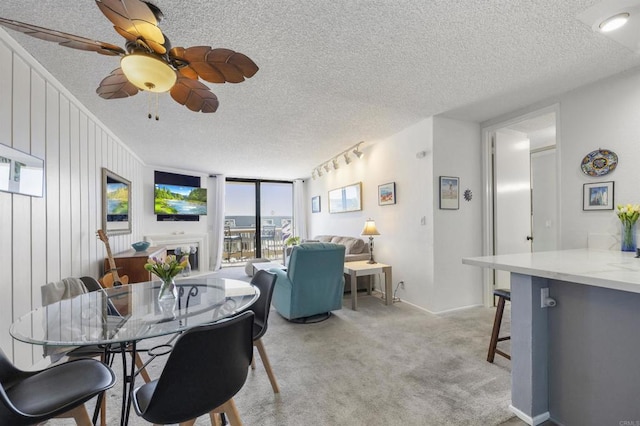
(258, 219)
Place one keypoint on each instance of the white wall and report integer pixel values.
(457, 152)
(49, 238)
(435, 280)
(603, 115)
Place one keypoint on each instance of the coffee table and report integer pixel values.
(265, 266)
(362, 268)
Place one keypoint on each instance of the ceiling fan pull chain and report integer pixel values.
(149, 105)
(157, 97)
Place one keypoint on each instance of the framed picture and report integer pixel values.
(387, 194)
(116, 203)
(315, 204)
(346, 199)
(449, 193)
(597, 196)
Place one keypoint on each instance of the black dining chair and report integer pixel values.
(31, 397)
(266, 282)
(206, 368)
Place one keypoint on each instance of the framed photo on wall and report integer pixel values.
(116, 203)
(315, 204)
(387, 194)
(449, 193)
(346, 199)
(598, 196)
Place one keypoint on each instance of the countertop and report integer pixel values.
(601, 268)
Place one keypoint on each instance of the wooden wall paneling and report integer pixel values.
(74, 150)
(65, 190)
(21, 137)
(84, 196)
(92, 199)
(52, 187)
(38, 204)
(6, 205)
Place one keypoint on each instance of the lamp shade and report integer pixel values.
(147, 72)
(370, 228)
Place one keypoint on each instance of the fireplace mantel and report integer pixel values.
(171, 241)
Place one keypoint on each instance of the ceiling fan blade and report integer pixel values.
(116, 86)
(194, 95)
(63, 39)
(135, 19)
(219, 65)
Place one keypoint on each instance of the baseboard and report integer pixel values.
(533, 421)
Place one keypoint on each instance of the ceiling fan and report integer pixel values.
(149, 62)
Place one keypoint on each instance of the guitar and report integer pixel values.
(111, 277)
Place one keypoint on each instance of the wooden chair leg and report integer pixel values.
(215, 419)
(188, 423)
(143, 371)
(267, 365)
(230, 409)
(80, 415)
(497, 322)
(103, 409)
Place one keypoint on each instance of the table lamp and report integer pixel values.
(370, 230)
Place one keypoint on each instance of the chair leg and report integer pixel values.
(143, 371)
(215, 419)
(497, 322)
(188, 423)
(230, 409)
(80, 415)
(267, 365)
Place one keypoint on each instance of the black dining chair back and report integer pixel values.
(206, 368)
(266, 282)
(31, 397)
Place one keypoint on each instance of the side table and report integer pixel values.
(362, 268)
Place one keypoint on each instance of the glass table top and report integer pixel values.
(132, 312)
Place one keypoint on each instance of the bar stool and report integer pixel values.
(503, 295)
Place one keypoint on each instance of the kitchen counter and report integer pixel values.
(575, 363)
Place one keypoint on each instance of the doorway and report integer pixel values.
(522, 197)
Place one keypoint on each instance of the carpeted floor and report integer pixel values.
(380, 365)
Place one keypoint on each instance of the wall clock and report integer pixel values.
(599, 162)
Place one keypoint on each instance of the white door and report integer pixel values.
(544, 196)
(512, 189)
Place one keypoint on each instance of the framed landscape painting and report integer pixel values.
(597, 196)
(387, 194)
(346, 199)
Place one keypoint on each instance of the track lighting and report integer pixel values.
(334, 163)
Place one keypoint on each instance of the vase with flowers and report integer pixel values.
(166, 269)
(628, 215)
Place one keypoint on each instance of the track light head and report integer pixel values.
(347, 159)
(326, 167)
(358, 153)
(335, 164)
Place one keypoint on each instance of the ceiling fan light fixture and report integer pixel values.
(147, 72)
(614, 22)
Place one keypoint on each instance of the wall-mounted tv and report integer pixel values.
(178, 197)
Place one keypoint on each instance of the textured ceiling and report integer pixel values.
(331, 73)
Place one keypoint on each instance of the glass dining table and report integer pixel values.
(118, 318)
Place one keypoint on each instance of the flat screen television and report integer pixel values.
(179, 200)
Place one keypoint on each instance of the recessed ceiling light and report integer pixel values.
(614, 22)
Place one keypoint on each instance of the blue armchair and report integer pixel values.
(313, 284)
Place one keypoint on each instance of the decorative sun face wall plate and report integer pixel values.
(599, 162)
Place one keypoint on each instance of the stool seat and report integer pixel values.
(503, 295)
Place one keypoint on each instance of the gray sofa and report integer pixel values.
(355, 249)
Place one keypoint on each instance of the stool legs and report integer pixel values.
(497, 322)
